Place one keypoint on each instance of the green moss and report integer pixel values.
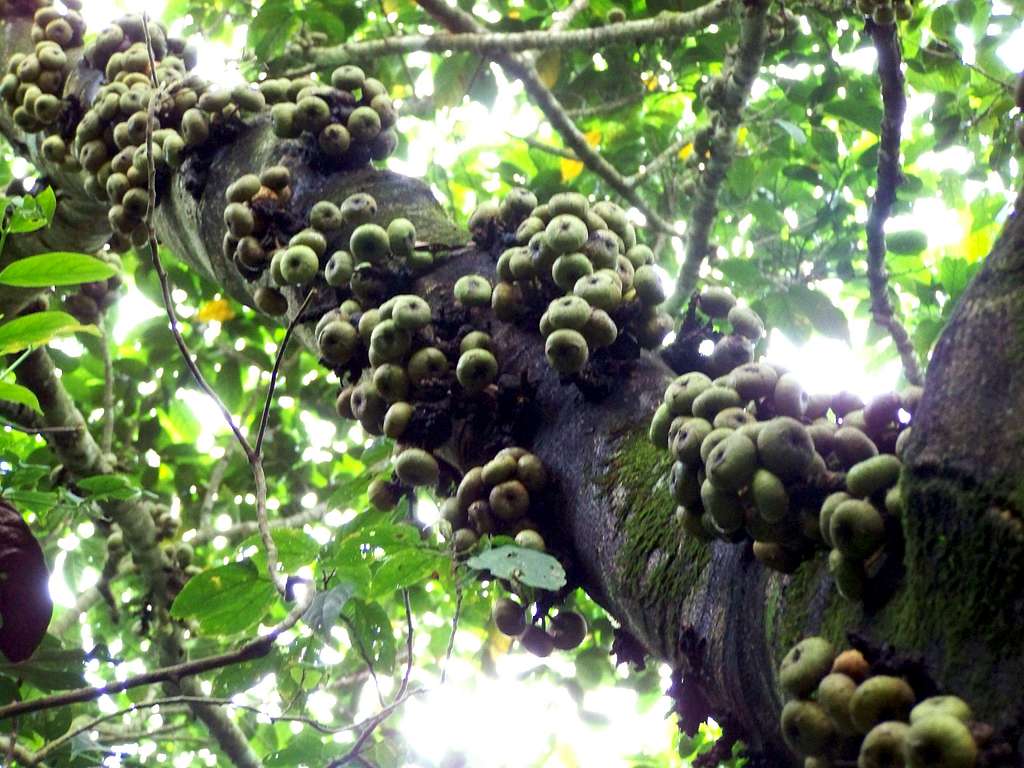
(660, 564)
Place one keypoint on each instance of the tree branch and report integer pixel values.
(241, 530)
(493, 44)
(541, 95)
(890, 176)
(738, 80)
(254, 649)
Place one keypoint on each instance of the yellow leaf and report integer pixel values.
(686, 151)
(571, 169)
(977, 244)
(593, 137)
(549, 64)
(741, 134)
(514, 14)
(218, 309)
(391, 6)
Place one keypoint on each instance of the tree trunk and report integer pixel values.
(712, 611)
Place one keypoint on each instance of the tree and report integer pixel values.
(752, 124)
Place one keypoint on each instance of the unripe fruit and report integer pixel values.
(509, 500)
(804, 667)
(724, 508)
(382, 494)
(270, 301)
(389, 342)
(276, 178)
(566, 233)
(884, 746)
(426, 365)
(806, 728)
(953, 706)
(464, 540)
(789, 397)
(568, 269)
(681, 393)
(769, 495)
(337, 342)
(940, 741)
(873, 475)
(509, 617)
(600, 330)
(834, 694)
(530, 539)
(878, 699)
(732, 463)
(746, 322)
(364, 124)
(688, 439)
(299, 265)
(566, 351)
(397, 419)
(713, 399)
(325, 216)
(473, 291)
(568, 312)
(348, 77)
(415, 466)
(476, 369)
(410, 312)
(334, 140)
(339, 268)
(785, 448)
(601, 290)
(716, 302)
(401, 237)
(856, 529)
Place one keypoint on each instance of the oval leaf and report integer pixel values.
(56, 268)
(225, 600)
(533, 568)
(38, 328)
(16, 393)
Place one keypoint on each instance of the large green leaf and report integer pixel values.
(55, 268)
(225, 600)
(16, 393)
(533, 568)
(295, 548)
(405, 568)
(38, 328)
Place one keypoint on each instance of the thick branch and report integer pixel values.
(894, 102)
(493, 44)
(738, 81)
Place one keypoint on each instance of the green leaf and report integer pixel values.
(108, 487)
(825, 316)
(326, 607)
(16, 393)
(794, 131)
(371, 632)
(275, 23)
(533, 568)
(405, 568)
(295, 548)
(859, 112)
(225, 600)
(33, 212)
(51, 667)
(38, 328)
(907, 242)
(55, 268)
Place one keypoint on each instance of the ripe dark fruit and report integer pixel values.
(805, 665)
(509, 617)
(852, 664)
(270, 301)
(537, 641)
(509, 500)
(568, 629)
(382, 494)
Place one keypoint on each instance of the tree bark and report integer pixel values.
(712, 611)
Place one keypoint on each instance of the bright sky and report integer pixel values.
(505, 716)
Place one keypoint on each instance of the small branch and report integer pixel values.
(13, 750)
(107, 436)
(212, 487)
(37, 430)
(541, 95)
(370, 725)
(241, 530)
(493, 44)
(409, 637)
(254, 649)
(667, 155)
(543, 146)
(890, 176)
(738, 78)
(253, 455)
(581, 113)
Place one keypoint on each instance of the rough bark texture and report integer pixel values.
(712, 611)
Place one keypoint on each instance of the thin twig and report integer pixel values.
(581, 113)
(276, 369)
(37, 430)
(371, 725)
(451, 638)
(889, 177)
(107, 437)
(457, 20)
(255, 462)
(254, 649)
(409, 637)
(543, 146)
(737, 80)
(491, 44)
(668, 154)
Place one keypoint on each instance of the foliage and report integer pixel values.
(790, 240)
